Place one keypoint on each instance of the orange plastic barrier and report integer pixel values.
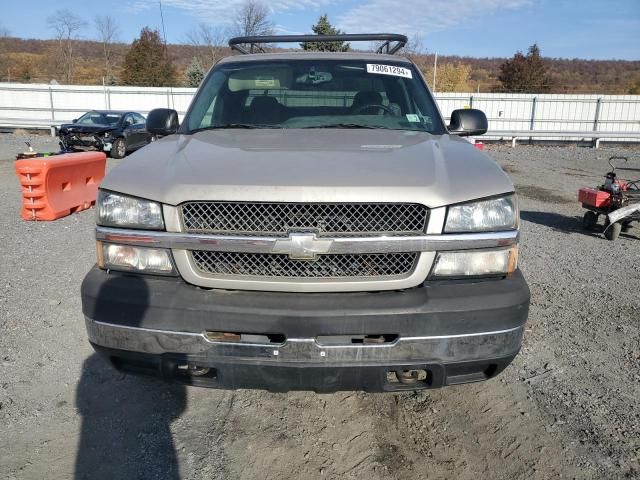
(54, 187)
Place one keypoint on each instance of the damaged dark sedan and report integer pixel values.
(110, 131)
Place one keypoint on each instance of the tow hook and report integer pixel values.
(194, 370)
(410, 377)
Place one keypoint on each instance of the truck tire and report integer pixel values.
(613, 231)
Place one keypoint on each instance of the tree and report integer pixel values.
(324, 27)
(4, 61)
(108, 35)
(528, 73)
(4, 32)
(414, 47)
(415, 51)
(450, 77)
(208, 43)
(111, 80)
(634, 89)
(147, 63)
(25, 74)
(194, 74)
(252, 19)
(66, 26)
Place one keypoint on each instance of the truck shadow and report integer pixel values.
(568, 224)
(559, 222)
(126, 420)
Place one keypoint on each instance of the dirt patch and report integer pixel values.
(542, 194)
(510, 169)
(580, 175)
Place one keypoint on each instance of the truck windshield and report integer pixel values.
(314, 94)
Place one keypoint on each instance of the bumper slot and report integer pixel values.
(336, 340)
(464, 373)
(274, 339)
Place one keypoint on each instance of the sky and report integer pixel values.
(598, 29)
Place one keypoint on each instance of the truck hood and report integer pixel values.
(312, 165)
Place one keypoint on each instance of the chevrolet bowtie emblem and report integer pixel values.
(302, 246)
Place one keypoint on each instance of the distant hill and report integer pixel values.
(35, 61)
(605, 77)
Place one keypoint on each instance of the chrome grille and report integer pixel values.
(326, 219)
(325, 266)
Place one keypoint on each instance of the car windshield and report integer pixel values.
(314, 94)
(98, 118)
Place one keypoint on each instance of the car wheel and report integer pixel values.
(119, 148)
(613, 231)
(590, 220)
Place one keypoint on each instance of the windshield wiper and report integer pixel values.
(234, 125)
(345, 125)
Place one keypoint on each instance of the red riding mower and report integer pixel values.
(618, 200)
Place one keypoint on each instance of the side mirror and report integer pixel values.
(75, 120)
(468, 122)
(162, 121)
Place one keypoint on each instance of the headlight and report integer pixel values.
(491, 215)
(135, 259)
(116, 210)
(475, 263)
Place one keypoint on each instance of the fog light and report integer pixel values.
(467, 263)
(135, 259)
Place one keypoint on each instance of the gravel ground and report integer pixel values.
(567, 407)
(11, 144)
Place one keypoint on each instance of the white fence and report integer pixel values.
(516, 111)
(24, 105)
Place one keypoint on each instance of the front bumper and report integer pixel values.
(453, 332)
(86, 142)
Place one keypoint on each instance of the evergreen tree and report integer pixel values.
(526, 74)
(147, 63)
(323, 27)
(194, 73)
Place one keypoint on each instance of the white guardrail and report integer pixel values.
(511, 116)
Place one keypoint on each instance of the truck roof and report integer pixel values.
(307, 55)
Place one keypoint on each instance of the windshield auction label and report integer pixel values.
(265, 82)
(389, 70)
